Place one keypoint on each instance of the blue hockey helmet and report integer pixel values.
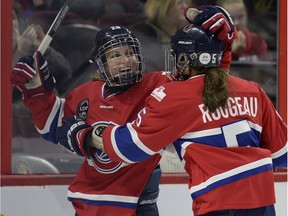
(108, 39)
(192, 47)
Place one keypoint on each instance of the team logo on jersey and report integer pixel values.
(82, 109)
(102, 163)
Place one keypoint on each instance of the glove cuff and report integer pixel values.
(26, 96)
(72, 135)
(79, 148)
(226, 60)
(33, 94)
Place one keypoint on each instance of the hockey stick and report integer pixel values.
(36, 81)
(54, 26)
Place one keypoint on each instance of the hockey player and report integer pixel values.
(225, 129)
(101, 187)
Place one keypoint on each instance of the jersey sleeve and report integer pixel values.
(47, 112)
(134, 142)
(274, 133)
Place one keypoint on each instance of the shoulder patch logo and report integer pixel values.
(158, 93)
(82, 109)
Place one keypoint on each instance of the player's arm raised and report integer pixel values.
(32, 77)
(217, 21)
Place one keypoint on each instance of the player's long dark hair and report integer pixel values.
(215, 93)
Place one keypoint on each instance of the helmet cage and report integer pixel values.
(121, 78)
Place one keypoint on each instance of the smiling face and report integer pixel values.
(118, 57)
(122, 65)
(121, 60)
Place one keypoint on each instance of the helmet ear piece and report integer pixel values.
(182, 59)
(182, 62)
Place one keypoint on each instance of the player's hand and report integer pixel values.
(97, 137)
(40, 35)
(72, 135)
(30, 81)
(215, 19)
(239, 44)
(25, 43)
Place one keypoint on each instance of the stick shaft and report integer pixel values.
(54, 26)
(36, 81)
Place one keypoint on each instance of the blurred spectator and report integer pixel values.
(26, 43)
(164, 18)
(263, 17)
(249, 46)
(87, 9)
(122, 12)
(18, 24)
(101, 13)
(40, 4)
(124, 6)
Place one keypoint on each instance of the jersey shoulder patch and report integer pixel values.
(82, 109)
(159, 93)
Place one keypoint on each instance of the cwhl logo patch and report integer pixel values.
(82, 109)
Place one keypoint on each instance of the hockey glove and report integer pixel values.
(72, 135)
(218, 22)
(215, 19)
(31, 78)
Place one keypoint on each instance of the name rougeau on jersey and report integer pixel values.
(236, 106)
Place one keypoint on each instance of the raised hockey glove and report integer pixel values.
(72, 135)
(215, 19)
(218, 22)
(32, 77)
